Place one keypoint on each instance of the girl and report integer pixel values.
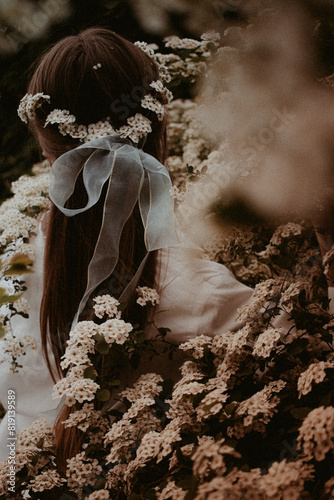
(96, 104)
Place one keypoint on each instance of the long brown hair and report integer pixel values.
(66, 73)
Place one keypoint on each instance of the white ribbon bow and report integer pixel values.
(132, 176)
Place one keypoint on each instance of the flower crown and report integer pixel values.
(138, 126)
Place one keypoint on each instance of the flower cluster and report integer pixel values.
(138, 126)
(242, 420)
(153, 104)
(18, 225)
(316, 373)
(28, 105)
(85, 339)
(197, 435)
(147, 295)
(104, 304)
(266, 342)
(316, 434)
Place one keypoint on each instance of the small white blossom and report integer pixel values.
(59, 116)
(115, 330)
(158, 86)
(138, 126)
(105, 304)
(28, 105)
(147, 296)
(153, 104)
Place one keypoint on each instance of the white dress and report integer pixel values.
(196, 297)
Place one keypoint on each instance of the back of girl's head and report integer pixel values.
(95, 75)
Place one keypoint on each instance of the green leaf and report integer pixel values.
(135, 360)
(248, 370)
(298, 346)
(102, 347)
(97, 337)
(163, 331)
(103, 395)
(17, 271)
(300, 413)
(115, 383)
(122, 306)
(100, 483)
(140, 337)
(19, 265)
(229, 409)
(21, 259)
(9, 299)
(328, 337)
(34, 458)
(90, 373)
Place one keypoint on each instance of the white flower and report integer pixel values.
(14, 347)
(76, 355)
(105, 304)
(15, 224)
(115, 330)
(138, 126)
(59, 116)
(145, 48)
(315, 373)
(211, 36)
(22, 305)
(174, 42)
(197, 345)
(267, 341)
(147, 296)
(99, 495)
(153, 104)
(75, 387)
(158, 86)
(99, 129)
(46, 481)
(28, 105)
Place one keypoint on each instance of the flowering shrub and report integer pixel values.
(17, 224)
(252, 415)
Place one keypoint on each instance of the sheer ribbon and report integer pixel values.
(132, 176)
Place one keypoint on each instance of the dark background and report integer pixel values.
(18, 149)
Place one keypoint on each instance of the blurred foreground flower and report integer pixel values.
(264, 98)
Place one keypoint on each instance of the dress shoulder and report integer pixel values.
(197, 296)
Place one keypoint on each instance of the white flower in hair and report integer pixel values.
(138, 126)
(145, 48)
(73, 129)
(28, 105)
(59, 116)
(99, 129)
(80, 132)
(158, 86)
(164, 73)
(148, 49)
(153, 104)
